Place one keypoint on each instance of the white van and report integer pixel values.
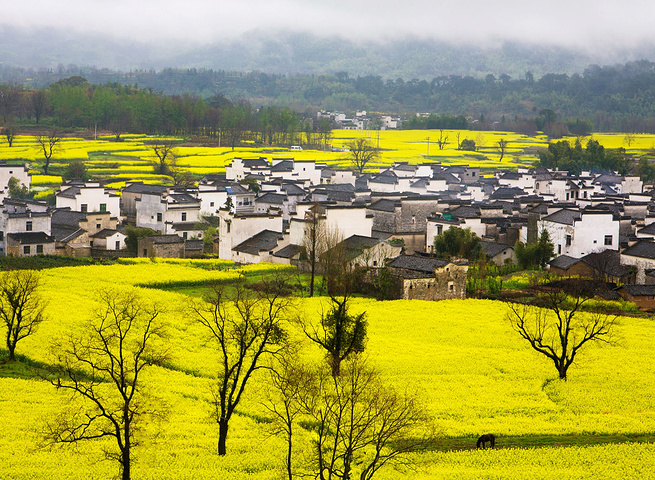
(296, 147)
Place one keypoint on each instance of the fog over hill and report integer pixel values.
(285, 52)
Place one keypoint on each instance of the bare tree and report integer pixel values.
(21, 306)
(10, 133)
(39, 103)
(557, 328)
(314, 241)
(166, 156)
(362, 152)
(103, 369)
(49, 144)
(629, 139)
(443, 139)
(359, 424)
(501, 146)
(245, 332)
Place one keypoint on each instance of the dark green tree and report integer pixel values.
(457, 242)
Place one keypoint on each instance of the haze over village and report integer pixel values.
(335, 240)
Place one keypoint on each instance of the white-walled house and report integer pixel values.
(234, 229)
(7, 171)
(240, 168)
(24, 232)
(88, 197)
(169, 213)
(577, 233)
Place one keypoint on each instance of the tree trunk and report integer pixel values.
(12, 351)
(222, 436)
(125, 454)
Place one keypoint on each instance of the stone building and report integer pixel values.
(424, 278)
(164, 246)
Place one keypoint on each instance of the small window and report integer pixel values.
(211, 204)
(568, 240)
(145, 252)
(375, 263)
(608, 240)
(26, 250)
(184, 216)
(118, 245)
(103, 207)
(451, 287)
(84, 208)
(39, 249)
(159, 217)
(2, 236)
(439, 229)
(184, 235)
(98, 226)
(228, 226)
(559, 249)
(28, 226)
(91, 243)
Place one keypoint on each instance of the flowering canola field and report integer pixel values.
(469, 369)
(131, 159)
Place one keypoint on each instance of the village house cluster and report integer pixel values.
(599, 222)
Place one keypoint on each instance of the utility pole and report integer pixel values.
(428, 139)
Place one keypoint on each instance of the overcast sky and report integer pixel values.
(588, 23)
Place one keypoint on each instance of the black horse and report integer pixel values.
(487, 438)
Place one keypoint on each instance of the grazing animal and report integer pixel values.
(487, 438)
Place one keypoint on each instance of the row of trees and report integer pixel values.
(75, 103)
(612, 98)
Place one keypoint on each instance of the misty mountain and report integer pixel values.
(298, 53)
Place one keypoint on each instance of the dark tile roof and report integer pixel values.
(104, 233)
(188, 226)
(564, 216)
(607, 262)
(292, 189)
(643, 249)
(255, 162)
(67, 217)
(639, 290)
(492, 249)
(283, 166)
(466, 211)
(70, 192)
(265, 240)
(384, 205)
(65, 233)
(139, 187)
(563, 262)
(183, 198)
(194, 245)
(508, 193)
(387, 177)
(272, 198)
(289, 251)
(31, 237)
(648, 229)
(419, 264)
(166, 239)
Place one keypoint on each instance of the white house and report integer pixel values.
(577, 233)
(19, 172)
(88, 197)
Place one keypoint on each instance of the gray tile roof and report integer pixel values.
(643, 249)
(564, 216)
(563, 262)
(419, 264)
(384, 205)
(266, 240)
(289, 251)
(139, 187)
(639, 290)
(31, 237)
(492, 249)
(272, 198)
(67, 217)
(104, 233)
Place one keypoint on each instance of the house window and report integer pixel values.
(118, 245)
(559, 249)
(84, 208)
(184, 216)
(91, 243)
(451, 286)
(228, 226)
(28, 226)
(184, 235)
(211, 204)
(584, 194)
(39, 249)
(103, 207)
(608, 239)
(568, 240)
(159, 217)
(145, 252)
(375, 263)
(2, 236)
(98, 226)
(439, 229)
(26, 250)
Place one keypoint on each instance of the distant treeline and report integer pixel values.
(74, 103)
(612, 98)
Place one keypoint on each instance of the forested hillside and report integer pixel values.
(612, 98)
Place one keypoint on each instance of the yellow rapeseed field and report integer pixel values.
(468, 368)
